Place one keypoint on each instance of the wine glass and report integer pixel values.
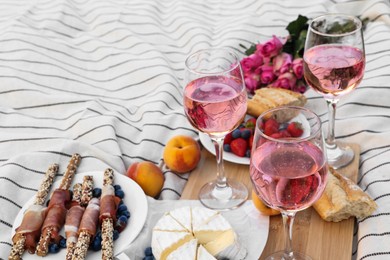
(334, 61)
(288, 169)
(215, 103)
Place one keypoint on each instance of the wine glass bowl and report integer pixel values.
(334, 62)
(288, 173)
(215, 103)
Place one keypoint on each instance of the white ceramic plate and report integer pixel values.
(230, 157)
(134, 199)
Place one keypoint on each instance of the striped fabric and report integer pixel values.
(104, 79)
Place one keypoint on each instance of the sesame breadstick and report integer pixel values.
(56, 214)
(75, 213)
(19, 239)
(107, 215)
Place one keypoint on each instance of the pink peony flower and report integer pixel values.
(297, 67)
(252, 62)
(267, 74)
(299, 87)
(252, 82)
(286, 80)
(271, 48)
(282, 63)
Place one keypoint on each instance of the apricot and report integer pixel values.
(264, 209)
(148, 176)
(181, 154)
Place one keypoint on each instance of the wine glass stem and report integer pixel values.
(330, 139)
(221, 178)
(288, 222)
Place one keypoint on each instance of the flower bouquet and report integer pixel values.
(278, 62)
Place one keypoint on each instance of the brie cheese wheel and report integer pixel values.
(195, 234)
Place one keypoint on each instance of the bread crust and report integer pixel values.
(268, 98)
(343, 199)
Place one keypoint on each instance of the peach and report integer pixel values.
(148, 176)
(264, 209)
(181, 154)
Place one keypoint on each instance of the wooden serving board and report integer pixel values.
(311, 235)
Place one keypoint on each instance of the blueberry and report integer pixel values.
(248, 153)
(117, 187)
(120, 193)
(115, 234)
(236, 134)
(97, 192)
(121, 223)
(47, 203)
(54, 248)
(227, 148)
(148, 251)
(121, 208)
(149, 257)
(63, 242)
(96, 244)
(246, 133)
(123, 219)
(127, 214)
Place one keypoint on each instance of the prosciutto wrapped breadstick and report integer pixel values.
(57, 209)
(27, 234)
(82, 194)
(107, 216)
(88, 227)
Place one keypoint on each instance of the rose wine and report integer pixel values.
(333, 70)
(288, 176)
(215, 104)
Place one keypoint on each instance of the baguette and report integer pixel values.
(268, 98)
(343, 199)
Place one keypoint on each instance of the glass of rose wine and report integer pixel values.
(288, 166)
(334, 61)
(215, 103)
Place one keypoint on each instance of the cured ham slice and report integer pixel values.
(88, 227)
(31, 227)
(27, 234)
(57, 209)
(90, 220)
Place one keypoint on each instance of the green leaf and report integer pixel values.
(295, 27)
(250, 50)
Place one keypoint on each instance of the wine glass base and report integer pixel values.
(281, 255)
(223, 198)
(339, 155)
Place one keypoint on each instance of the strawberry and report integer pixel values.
(250, 141)
(276, 135)
(228, 138)
(239, 147)
(271, 126)
(295, 129)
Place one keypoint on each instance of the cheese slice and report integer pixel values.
(167, 223)
(164, 243)
(203, 254)
(221, 242)
(185, 252)
(183, 216)
(211, 228)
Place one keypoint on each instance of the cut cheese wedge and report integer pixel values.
(203, 254)
(164, 243)
(176, 233)
(186, 251)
